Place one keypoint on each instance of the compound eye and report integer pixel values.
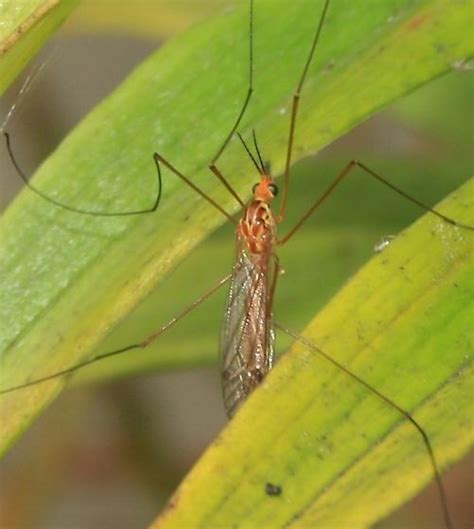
(254, 188)
(273, 189)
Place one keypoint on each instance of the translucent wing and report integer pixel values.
(248, 338)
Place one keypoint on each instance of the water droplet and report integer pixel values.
(383, 243)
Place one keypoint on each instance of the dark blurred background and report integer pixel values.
(107, 455)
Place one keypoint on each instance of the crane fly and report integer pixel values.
(248, 336)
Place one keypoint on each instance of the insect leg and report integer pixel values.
(224, 181)
(73, 209)
(294, 113)
(247, 97)
(158, 158)
(426, 441)
(140, 345)
(347, 170)
(212, 165)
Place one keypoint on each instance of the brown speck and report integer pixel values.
(272, 489)
(417, 22)
(169, 507)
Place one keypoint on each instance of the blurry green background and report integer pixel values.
(109, 454)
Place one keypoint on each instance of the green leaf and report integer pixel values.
(25, 26)
(68, 279)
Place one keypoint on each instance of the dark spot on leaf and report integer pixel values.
(272, 489)
(330, 65)
(170, 506)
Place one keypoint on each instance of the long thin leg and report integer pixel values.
(140, 345)
(224, 181)
(247, 97)
(442, 493)
(347, 169)
(215, 158)
(159, 158)
(294, 113)
(92, 212)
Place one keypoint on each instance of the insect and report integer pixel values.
(262, 285)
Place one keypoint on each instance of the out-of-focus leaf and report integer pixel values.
(25, 25)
